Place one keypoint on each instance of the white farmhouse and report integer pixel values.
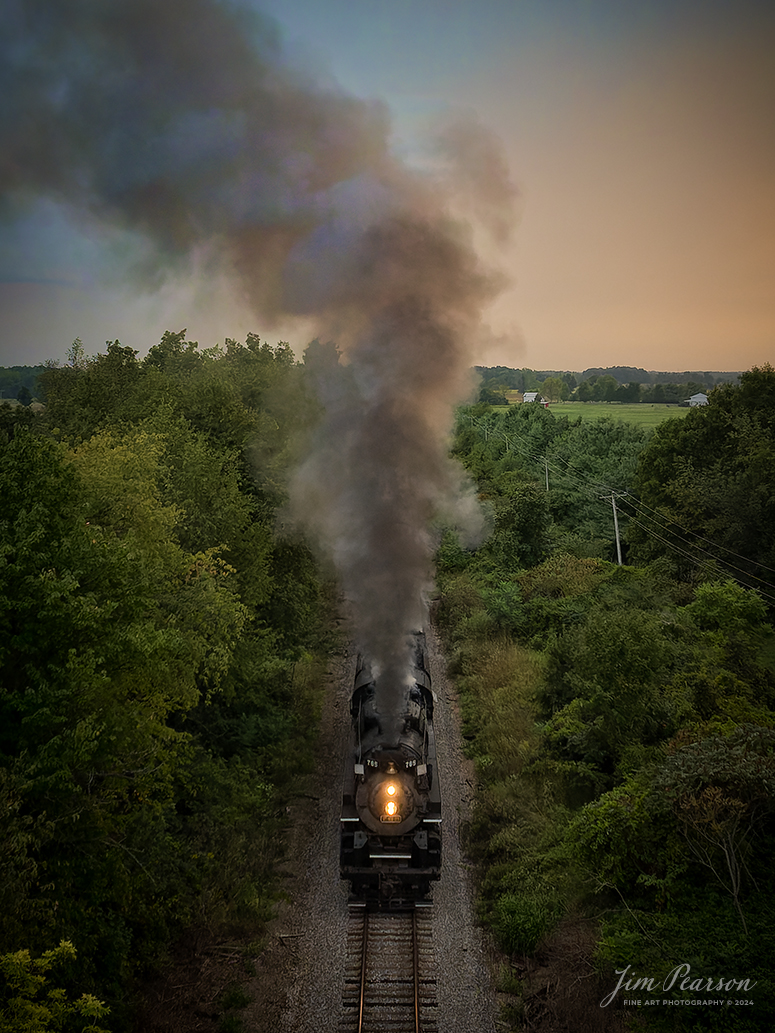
(698, 399)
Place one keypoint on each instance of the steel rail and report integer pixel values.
(390, 982)
(364, 953)
(416, 970)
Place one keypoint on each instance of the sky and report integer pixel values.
(640, 136)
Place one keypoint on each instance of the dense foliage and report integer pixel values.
(20, 382)
(567, 467)
(622, 717)
(707, 484)
(158, 643)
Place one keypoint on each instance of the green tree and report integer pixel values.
(157, 685)
(108, 629)
(707, 485)
(519, 537)
(29, 1004)
(174, 354)
(722, 790)
(553, 389)
(604, 696)
(91, 392)
(492, 396)
(628, 392)
(605, 389)
(14, 418)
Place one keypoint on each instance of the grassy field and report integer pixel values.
(642, 415)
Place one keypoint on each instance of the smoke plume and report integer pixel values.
(182, 122)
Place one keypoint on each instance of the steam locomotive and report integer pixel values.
(390, 846)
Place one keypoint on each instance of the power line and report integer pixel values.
(670, 520)
(592, 490)
(712, 559)
(591, 487)
(698, 549)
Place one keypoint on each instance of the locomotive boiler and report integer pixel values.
(390, 847)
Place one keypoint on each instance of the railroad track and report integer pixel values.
(390, 978)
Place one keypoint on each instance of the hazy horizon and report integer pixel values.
(496, 365)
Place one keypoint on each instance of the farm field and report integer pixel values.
(642, 415)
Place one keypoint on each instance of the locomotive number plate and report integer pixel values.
(391, 817)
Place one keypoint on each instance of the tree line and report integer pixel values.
(20, 382)
(622, 717)
(618, 384)
(161, 636)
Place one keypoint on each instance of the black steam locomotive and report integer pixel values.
(390, 846)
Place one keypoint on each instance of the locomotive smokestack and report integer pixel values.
(182, 122)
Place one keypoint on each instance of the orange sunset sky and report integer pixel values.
(641, 137)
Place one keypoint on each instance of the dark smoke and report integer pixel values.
(177, 120)
(480, 174)
(181, 121)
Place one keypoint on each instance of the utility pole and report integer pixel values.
(616, 526)
(546, 467)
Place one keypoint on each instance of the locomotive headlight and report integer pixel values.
(389, 799)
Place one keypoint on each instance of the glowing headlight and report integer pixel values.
(391, 791)
(391, 807)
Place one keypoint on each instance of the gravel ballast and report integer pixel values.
(298, 987)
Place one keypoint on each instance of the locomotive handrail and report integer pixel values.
(425, 738)
(360, 743)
